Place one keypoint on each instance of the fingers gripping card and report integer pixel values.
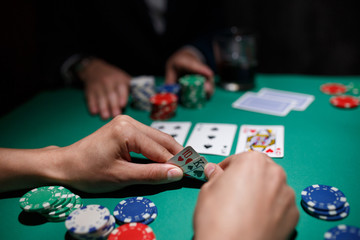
(184, 157)
(267, 139)
(195, 168)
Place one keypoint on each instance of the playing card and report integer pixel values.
(268, 139)
(302, 100)
(185, 156)
(212, 138)
(178, 130)
(195, 168)
(252, 102)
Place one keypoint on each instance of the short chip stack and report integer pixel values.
(163, 106)
(90, 222)
(192, 91)
(53, 202)
(135, 209)
(340, 100)
(342, 232)
(142, 89)
(169, 88)
(133, 231)
(325, 202)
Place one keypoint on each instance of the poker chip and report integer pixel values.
(324, 212)
(133, 231)
(136, 209)
(333, 88)
(163, 106)
(169, 88)
(39, 199)
(152, 217)
(62, 213)
(192, 91)
(323, 197)
(88, 220)
(343, 232)
(331, 215)
(142, 88)
(345, 101)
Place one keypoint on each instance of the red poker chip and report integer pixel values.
(163, 98)
(345, 101)
(333, 88)
(133, 231)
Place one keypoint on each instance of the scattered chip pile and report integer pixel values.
(90, 222)
(142, 89)
(343, 232)
(192, 91)
(163, 106)
(135, 209)
(341, 100)
(133, 231)
(325, 202)
(55, 203)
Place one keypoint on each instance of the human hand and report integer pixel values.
(106, 88)
(101, 162)
(246, 196)
(185, 61)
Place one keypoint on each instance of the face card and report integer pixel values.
(195, 168)
(252, 102)
(186, 156)
(178, 130)
(212, 138)
(302, 100)
(268, 139)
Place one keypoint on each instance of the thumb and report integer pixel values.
(212, 170)
(153, 173)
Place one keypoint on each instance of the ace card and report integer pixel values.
(268, 139)
(178, 130)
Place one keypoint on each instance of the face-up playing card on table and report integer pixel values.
(213, 138)
(268, 139)
(185, 156)
(195, 168)
(178, 130)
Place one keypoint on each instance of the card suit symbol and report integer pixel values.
(177, 127)
(207, 146)
(225, 146)
(211, 136)
(190, 167)
(180, 159)
(161, 127)
(198, 173)
(214, 129)
(188, 160)
(269, 150)
(174, 135)
(252, 130)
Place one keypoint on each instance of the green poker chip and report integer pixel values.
(39, 199)
(192, 91)
(62, 215)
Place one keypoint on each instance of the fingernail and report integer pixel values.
(209, 169)
(175, 174)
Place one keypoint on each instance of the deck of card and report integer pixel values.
(190, 162)
(273, 101)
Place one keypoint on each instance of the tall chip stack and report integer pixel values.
(192, 91)
(142, 89)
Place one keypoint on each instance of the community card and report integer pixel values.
(268, 139)
(196, 168)
(252, 102)
(302, 100)
(212, 138)
(186, 156)
(178, 130)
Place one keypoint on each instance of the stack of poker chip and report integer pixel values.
(135, 209)
(90, 222)
(343, 231)
(192, 91)
(163, 106)
(55, 203)
(142, 89)
(132, 231)
(325, 202)
(169, 88)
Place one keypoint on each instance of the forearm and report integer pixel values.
(27, 168)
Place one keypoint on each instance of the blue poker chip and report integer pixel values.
(135, 209)
(323, 197)
(339, 216)
(324, 212)
(152, 217)
(168, 88)
(343, 232)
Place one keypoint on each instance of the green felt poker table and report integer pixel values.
(321, 147)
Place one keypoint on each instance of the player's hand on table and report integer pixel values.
(185, 61)
(106, 88)
(246, 197)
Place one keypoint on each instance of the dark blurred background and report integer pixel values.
(318, 37)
